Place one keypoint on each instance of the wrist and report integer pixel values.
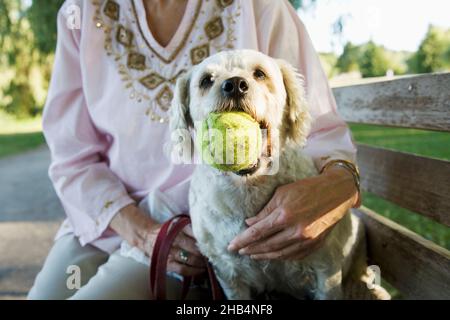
(132, 225)
(346, 181)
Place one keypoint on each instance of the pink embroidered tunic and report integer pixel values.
(105, 119)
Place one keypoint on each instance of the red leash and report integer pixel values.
(158, 266)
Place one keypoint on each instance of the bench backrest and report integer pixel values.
(418, 268)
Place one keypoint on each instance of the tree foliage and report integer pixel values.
(373, 62)
(16, 54)
(27, 40)
(42, 17)
(348, 60)
(434, 52)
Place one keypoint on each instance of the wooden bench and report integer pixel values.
(418, 268)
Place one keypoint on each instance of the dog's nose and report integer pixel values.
(235, 87)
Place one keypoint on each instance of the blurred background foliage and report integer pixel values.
(27, 40)
(372, 60)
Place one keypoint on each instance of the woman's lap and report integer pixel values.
(51, 283)
(102, 276)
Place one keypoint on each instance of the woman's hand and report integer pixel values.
(299, 216)
(195, 263)
(139, 230)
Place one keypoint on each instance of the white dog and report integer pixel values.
(272, 93)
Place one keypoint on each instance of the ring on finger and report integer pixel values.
(184, 255)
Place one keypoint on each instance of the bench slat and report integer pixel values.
(421, 102)
(417, 267)
(417, 183)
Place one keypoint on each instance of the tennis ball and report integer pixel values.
(230, 141)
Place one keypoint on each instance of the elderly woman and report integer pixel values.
(105, 122)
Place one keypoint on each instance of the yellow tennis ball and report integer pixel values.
(230, 141)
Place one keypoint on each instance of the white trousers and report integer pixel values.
(101, 276)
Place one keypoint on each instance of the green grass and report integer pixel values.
(17, 136)
(425, 143)
(16, 143)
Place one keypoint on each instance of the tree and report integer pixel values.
(373, 61)
(328, 61)
(433, 52)
(348, 60)
(16, 54)
(27, 41)
(44, 33)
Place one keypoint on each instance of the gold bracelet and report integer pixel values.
(353, 169)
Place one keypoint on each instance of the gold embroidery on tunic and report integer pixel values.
(124, 36)
(224, 3)
(214, 28)
(164, 98)
(198, 54)
(152, 81)
(112, 10)
(136, 61)
(132, 63)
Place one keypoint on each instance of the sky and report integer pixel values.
(396, 24)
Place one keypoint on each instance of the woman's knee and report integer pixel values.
(67, 267)
(120, 278)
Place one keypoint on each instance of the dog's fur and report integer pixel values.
(221, 201)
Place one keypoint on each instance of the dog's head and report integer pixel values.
(269, 90)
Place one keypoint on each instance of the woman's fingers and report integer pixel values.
(190, 259)
(187, 243)
(281, 240)
(312, 246)
(275, 242)
(193, 256)
(294, 251)
(278, 254)
(184, 269)
(306, 251)
(256, 232)
(188, 231)
(262, 214)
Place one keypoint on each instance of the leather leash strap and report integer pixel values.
(160, 255)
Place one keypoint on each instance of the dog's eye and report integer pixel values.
(206, 81)
(259, 74)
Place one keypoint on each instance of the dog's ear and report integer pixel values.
(179, 110)
(180, 122)
(296, 117)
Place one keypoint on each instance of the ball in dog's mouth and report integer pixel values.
(231, 141)
(251, 170)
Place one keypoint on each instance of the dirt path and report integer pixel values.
(30, 214)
